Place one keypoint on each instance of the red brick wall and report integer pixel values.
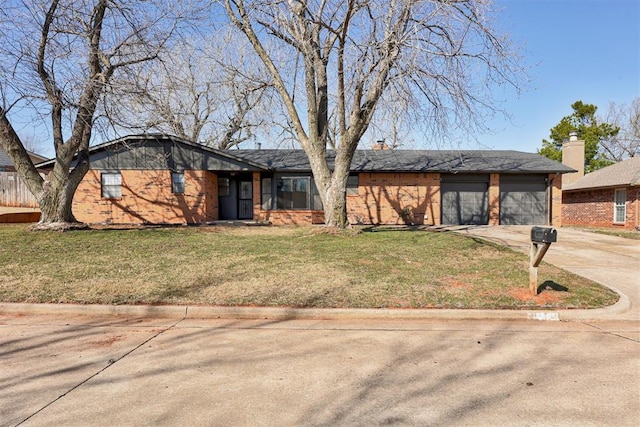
(382, 198)
(594, 208)
(147, 198)
(291, 217)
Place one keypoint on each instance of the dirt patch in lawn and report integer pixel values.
(544, 298)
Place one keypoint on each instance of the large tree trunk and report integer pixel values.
(335, 208)
(56, 202)
(315, 34)
(55, 195)
(331, 184)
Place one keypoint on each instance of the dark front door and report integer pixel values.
(245, 200)
(235, 197)
(227, 198)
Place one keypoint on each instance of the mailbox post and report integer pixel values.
(541, 239)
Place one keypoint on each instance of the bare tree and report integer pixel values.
(59, 58)
(440, 56)
(205, 90)
(626, 143)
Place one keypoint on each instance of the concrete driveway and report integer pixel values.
(611, 261)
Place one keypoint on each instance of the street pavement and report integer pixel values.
(108, 371)
(139, 366)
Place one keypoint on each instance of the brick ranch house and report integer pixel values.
(609, 197)
(164, 179)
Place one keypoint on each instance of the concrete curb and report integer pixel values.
(283, 313)
(607, 313)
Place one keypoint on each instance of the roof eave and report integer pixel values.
(161, 136)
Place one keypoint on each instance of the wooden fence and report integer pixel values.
(14, 192)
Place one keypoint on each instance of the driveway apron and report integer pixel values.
(611, 261)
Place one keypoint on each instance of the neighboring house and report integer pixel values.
(609, 197)
(6, 165)
(164, 179)
(13, 191)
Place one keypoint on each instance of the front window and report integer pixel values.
(620, 206)
(111, 185)
(177, 182)
(294, 193)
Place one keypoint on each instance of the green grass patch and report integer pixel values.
(618, 232)
(278, 266)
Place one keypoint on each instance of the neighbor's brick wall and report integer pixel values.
(594, 208)
(147, 198)
(383, 196)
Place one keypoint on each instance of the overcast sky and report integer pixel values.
(586, 50)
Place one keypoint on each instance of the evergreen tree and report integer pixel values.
(584, 122)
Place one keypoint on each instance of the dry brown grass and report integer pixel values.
(277, 266)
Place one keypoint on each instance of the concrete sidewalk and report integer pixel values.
(611, 261)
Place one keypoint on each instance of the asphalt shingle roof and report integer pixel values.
(443, 161)
(465, 161)
(624, 173)
(6, 161)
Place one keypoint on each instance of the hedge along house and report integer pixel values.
(164, 179)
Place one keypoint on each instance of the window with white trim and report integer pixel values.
(177, 182)
(620, 206)
(111, 185)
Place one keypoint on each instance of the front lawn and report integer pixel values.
(627, 234)
(278, 266)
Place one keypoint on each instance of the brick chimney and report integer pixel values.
(573, 156)
(380, 145)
